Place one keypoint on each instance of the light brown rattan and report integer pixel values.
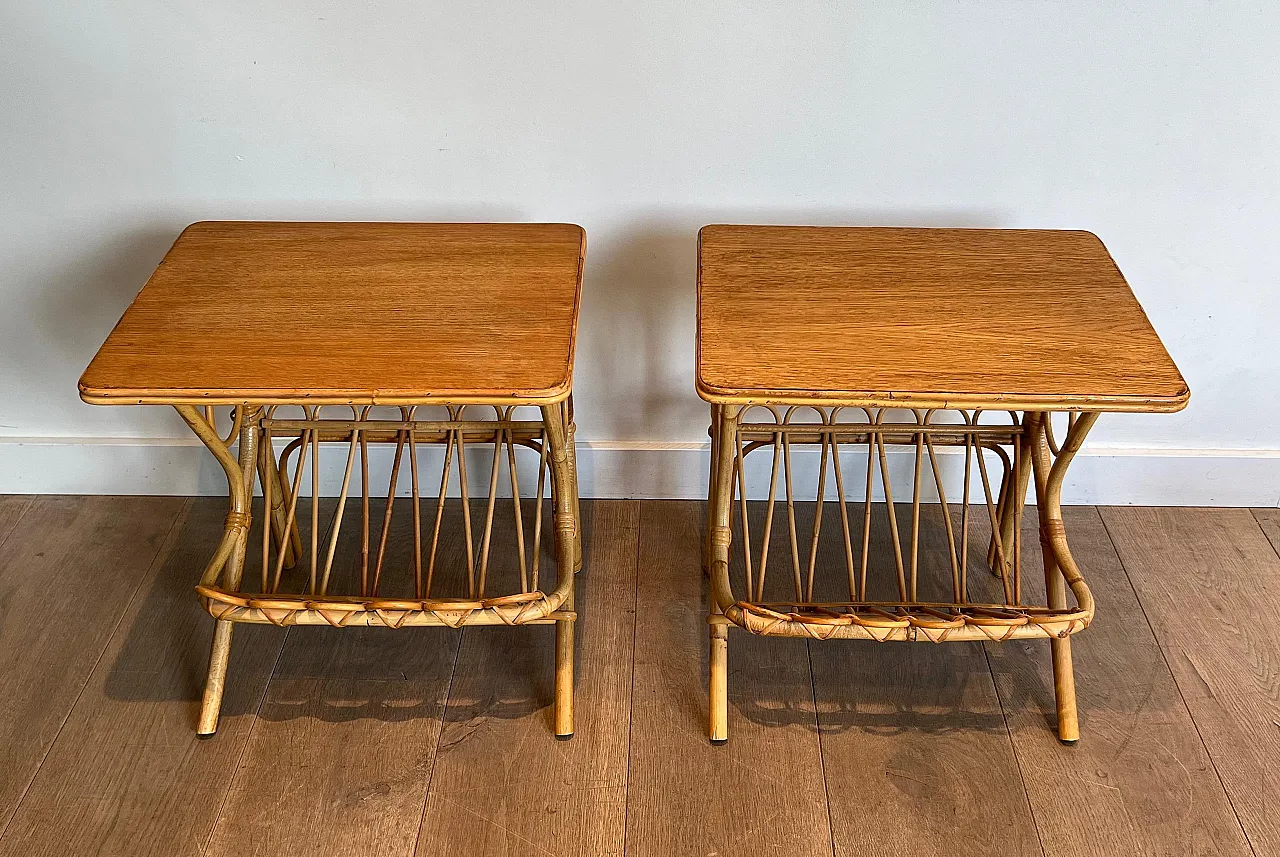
(923, 341)
(303, 329)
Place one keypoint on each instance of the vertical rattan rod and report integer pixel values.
(740, 475)
(464, 488)
(878, 439)
(401, 436)
(276, 499)
(364, 507)
(336, 526)
(291, 517)
(315, 496)
(844, 513)
(711, 480)
(769, 506)
(791, 517)
(515, 502)
(538, 511)
(956, 586)
(817, 513)
(435, 529)
(408, 414)
(865, 556)
(486, 539)
(915, 507)
(1001, 555)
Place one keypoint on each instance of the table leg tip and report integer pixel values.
(719, 742)
(565, 737)
(1069, 742)
(205, 736)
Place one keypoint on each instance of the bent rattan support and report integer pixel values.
(998, 462)
(299, 575)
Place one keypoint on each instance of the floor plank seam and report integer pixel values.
(162, 550)
(1013, 746)
(1275, 548)
(631, 709)
(1164, 656)
(248, 742)
(4, 540)
(822, 759)
(435, 756)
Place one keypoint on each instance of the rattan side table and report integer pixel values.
(375, 344)
(954, 346)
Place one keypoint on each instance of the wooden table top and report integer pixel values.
(972, 318)
(362, 313)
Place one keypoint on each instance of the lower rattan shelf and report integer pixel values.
(527, 608)
(885, 621)
(777, 571)
(481, 551)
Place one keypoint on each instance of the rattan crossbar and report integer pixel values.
(339, 566)
(976, 491)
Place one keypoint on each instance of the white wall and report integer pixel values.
(1154, 124)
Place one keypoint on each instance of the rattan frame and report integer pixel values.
(1033, 453)
(254, 431)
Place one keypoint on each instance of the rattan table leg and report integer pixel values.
(228, 562)
(720, 499)
(559, 436)
(1058, 566)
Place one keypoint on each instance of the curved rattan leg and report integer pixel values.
(571, 453)
(562, 475)
(228, 561)
(1049, 479)
(711, 482)
(720, 498)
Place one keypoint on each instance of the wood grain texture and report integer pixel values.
(70, 567)
(762, 793)
(12, 508)
(342, 751)
(1140, 780)
(1209, 582)
(906, 726)
(1026, 319)
(349, 312)
(127, 775)
(1269, 520)
(500, 783)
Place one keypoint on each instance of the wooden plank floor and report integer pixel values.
(436, 742)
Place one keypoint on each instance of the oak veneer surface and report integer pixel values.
(349, 312)
(1034, 319)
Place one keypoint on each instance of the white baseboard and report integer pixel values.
(1100, 475)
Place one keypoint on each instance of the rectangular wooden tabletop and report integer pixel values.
(363, 313)
(986, 318)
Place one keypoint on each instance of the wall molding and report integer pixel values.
(1102, 474)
